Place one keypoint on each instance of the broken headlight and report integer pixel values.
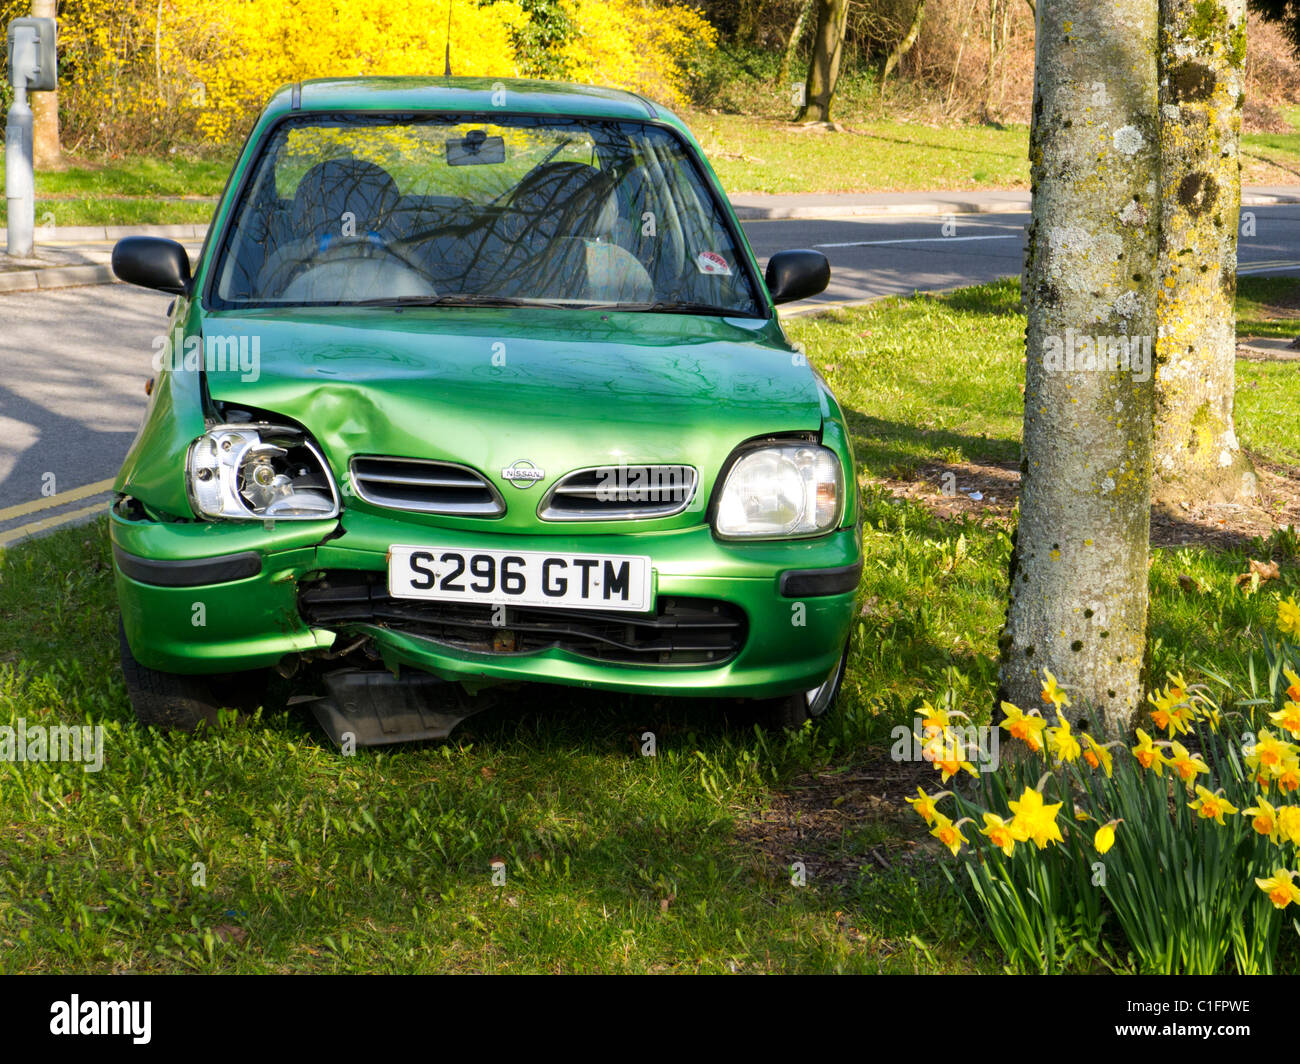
(256, 472)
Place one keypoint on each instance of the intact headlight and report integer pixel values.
(259, 473)
(781, 491)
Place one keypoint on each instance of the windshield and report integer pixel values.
(377, 209)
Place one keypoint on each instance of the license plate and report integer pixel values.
(521, 578)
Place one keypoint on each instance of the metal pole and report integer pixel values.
(20, 185)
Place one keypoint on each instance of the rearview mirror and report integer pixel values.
(797, 274)
(476, 148)
(152, 262)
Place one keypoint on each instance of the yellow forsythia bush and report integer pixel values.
(635, 44)
(139, 75)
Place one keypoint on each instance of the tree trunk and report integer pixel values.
(1078, 573)
(783, 75)
(1202, 64)
(904, 46)
(824, 70)
(46, 152)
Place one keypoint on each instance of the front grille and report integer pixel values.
(425, 486)
(620, 493)
(682, 631)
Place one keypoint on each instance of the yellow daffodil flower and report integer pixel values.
(999, 833)
(1061, 741)
(948, 833)
(1035, 820)
(1187, 765)
(1264, 817)
(1105, 837)
(935, 720)
(1288, 824)
(1097, 756)
(1052, 691)
(1148, 754)
(1288, 617)
(1292, 684)
(1280, 888)
(924, 805)
(1288, 718)
(1210, 806)
(948, 754)
(1269, 753)
(1288, 776)
(1027, 727)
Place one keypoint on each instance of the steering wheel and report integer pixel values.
(352, 248)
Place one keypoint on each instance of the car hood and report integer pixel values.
(486, 388)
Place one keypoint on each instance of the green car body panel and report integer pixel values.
(575, 389)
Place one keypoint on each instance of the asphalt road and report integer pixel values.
(73, 361)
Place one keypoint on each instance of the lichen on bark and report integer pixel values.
(1078, 577)
(1201, 62)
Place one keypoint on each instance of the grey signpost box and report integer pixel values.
(32, 67)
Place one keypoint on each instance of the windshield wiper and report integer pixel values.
(456, 301)
(667, 307)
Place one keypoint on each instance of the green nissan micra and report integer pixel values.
(478, 382)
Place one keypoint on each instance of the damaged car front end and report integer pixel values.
(418, 485)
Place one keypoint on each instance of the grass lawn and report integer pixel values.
(614, 862)
(755, 154)
(133, 191)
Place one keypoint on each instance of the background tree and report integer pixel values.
(1285, 13)
(1202, 74)
(824, 68)
(903, 46)
(46, 152)
(1078, 573)
(792, 42)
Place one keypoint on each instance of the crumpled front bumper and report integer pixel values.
(216, 597)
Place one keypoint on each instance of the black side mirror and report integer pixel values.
(797, 275)
(152, 262)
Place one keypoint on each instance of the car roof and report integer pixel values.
(481, 95)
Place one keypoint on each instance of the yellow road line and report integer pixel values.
(49, 522)
(61, 499)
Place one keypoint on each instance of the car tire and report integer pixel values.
(791, 711)
(166, 700)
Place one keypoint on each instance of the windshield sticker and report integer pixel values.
(711, 262)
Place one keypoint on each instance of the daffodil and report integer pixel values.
(948, 754)
(1062, 743)
(1097, 756)
(948, 833)
(1148, 754)
(1105, 837)
(924, 804)
(1185, 764)
(1035, 820)
(1288, 776)
(999, 833)
(1288, 617)
(1269, 753)
(1288, 824)
(1052, 692)
(937, 720)
(1027, 727)
(1292, 684)
(1211, 806)
(1263, 817)
(1171, 711)
(1280, 888)
(1288, 718)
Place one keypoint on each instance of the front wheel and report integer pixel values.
(174, 702)
(790, 711)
